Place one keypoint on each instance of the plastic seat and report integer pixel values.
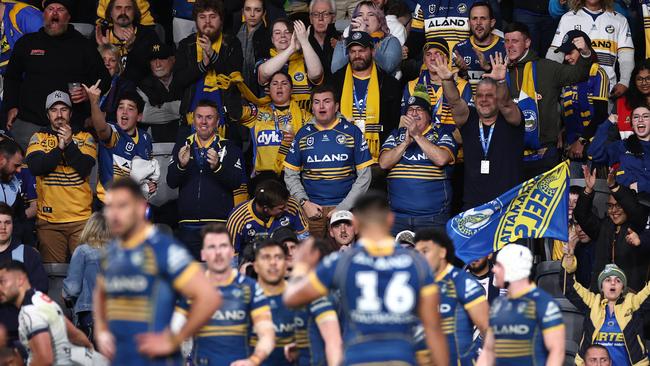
(162, 151)
(56, 273)
(573, 320)
(570, 352)
(85, 29)
(546, 277)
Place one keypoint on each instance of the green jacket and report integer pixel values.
(628, 310)
(551, 77)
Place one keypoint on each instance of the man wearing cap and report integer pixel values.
(50, 59)
(133, 40)
(61, 157)
(419, 157)
(342, 230)
(535, 85)
(585, 104)
(270, 209)
(614, 314)
(610, 35)
(517, 321)
(161, 94)
(369, 96)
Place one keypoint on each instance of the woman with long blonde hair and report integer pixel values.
(78, 286)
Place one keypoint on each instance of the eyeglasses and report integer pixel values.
(614, 206)
(322, 14)
(642, 80)
(415, 109)
(637, 117)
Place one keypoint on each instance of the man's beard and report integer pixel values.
(486, 34)
(51, 32)
(213, 35)
(360, 65)
(122, 24)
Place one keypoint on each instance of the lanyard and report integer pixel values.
(485, 144)
(286, 119)
(359, 105)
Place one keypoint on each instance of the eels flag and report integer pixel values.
(537, 208)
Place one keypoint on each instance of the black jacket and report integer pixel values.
(157, 93)
(326, 52)
(37, 277)
(390, 98)
(137, 60)
(187, 71)
(41, 64)
(609, 239)
(204, 195)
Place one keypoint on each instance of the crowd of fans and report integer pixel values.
(283, 114)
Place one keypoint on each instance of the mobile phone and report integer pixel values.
(104, 25)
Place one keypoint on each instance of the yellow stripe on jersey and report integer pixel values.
(263, 310)
(559, 326)
(182, 279)
(429, 290)
(318, 286)
(328, 315)
(475, 302)
(136, 309)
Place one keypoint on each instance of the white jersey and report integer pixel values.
(38, 314)
(609, 33)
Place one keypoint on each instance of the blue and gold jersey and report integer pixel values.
(448, 19)
(19, 18)
(311, 347)
(440, 108)
(284, 325)
(328, 158)
(140, 278)
(380, 287)
(225, 338)
(245, 226)
(415, 175)
(116, 155)
(467, 51)
(518, 324)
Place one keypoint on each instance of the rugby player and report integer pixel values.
(141, 274)
(385, 290)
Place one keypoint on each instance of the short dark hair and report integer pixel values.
(204, 5)
(215, 228)
(324, 88)
(207, 103)
(372, 201)
(598, 346)
(282, 72)
(268, 243)
(129, 185)
(13, 266)
(271, 193)
(439, 238)
(137, 14)
(517, 27)
(5, 209)
(134, 97)
(485, 4)
(9, 148)
(284, 21)
(575, 190)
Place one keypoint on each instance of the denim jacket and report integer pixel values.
(82, 273)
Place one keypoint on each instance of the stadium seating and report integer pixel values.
(56, 273)
(573, 320)
(162, 151)
(570, 353)
(546, 274)
(602, 193)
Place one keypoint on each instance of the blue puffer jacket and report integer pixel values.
(632, 154)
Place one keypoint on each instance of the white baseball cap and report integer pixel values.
(341, 216)
(57, 96)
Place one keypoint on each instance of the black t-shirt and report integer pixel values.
(505, 154)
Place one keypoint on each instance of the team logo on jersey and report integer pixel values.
(462, 8)
(310, 141)
(299, 76)
(521, 308)
(530, 120)
(129, 146)
(472, 221)
(284, 221)
(137, 258)
(432, 8)
(609, 29)
(340, 139)
(236, 293)
(325, 138)
(468, 59)
(252, 232)
(552, 313)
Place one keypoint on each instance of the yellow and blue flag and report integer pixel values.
(537, 208)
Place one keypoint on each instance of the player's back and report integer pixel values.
(380, 288)
(284, 324)
(310, 343)
(518, 324)
(225, 337)
(39, 313)
(140, 281)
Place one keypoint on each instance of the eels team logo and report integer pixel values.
(470, 222)
(530, 120)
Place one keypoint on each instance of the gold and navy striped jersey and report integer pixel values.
(519, 322)
(448, 19)
(245, 226)
(267, 124)
(225, 337)
(310, 344)
(63, 194)
(645, 11)
(284, 325)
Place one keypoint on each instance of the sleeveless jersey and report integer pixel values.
(380, 288)
(225, 338)
(466, 50)
(448, 19)
(283, 323)
(140, 278)
(311, 347)
(609, 33)
(518, 325)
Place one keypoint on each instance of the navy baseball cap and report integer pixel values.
(362, 39)
(567, 42)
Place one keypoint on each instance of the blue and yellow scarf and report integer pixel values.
(527, 102)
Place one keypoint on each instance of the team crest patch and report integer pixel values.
(609, 29)
(299, 76)
(129, 146)
(462, 8)
(530, 120)
(432, 8)
(340, 139)
(356, 36)
(411, 100)
(471, 222)
(310, 141)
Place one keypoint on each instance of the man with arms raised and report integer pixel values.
(142, 273)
